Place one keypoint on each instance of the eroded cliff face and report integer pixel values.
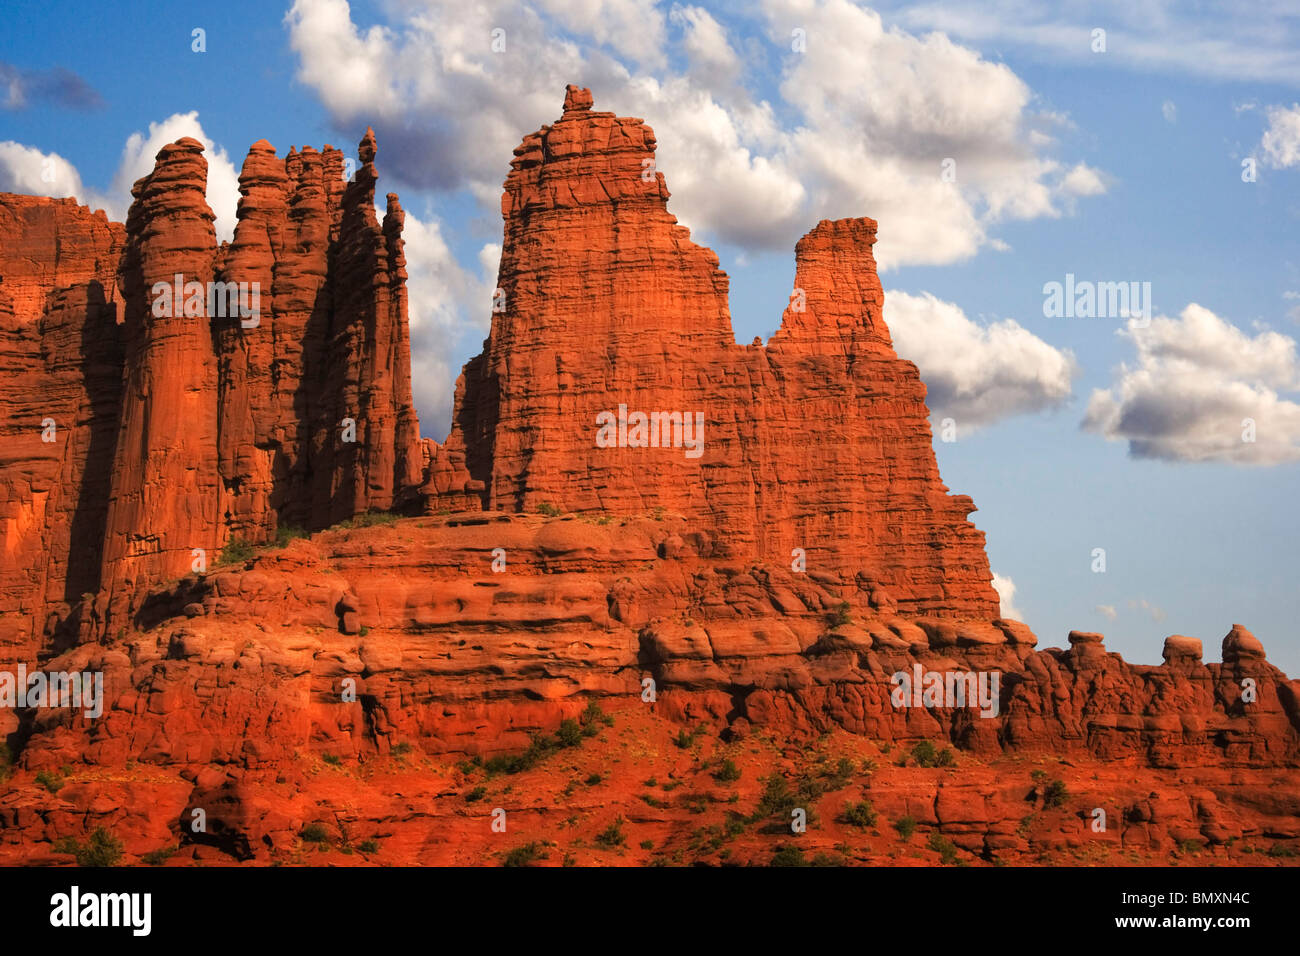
(61, 368)
(169, 396)
(818, 440)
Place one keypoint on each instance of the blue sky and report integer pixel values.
(1113, 166)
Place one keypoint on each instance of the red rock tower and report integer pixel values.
(818, 440)
(164, 500)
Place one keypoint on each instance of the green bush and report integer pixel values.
(946, 849)
(593, 779)
(524, 855)
(593, 718)
(50, 781)
(1055, 794)
(369, 846)
(841, 615)
(287, 532)
(647, 844)
(160, 856)
(102, 849)
(860, 814)
(612, 835)
(314, 833)
(478, 793)
(236, 551)
(728, 772)
(924, 754)
(549, 510)
(788, 856)
(370, 519)
(570, 733)
(905, 826)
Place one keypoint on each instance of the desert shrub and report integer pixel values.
(314, 833)
(370, 519)
(102, 849)
(236, 551)
(788, 856)
(924, 754)
(287, 532)
(728, 772)
(860, 814)
(841, 615)
(612, 835)
(905, 826)
(478, 793)
(593, 779)
(593, 718)
(524, 855)
(570, 733)
(549, 510)
(946, 849)
(369, 846)
(50, 781)
(160, 856)
(1055, 794)
(647, 844)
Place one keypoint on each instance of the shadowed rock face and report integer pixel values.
(818, 440)
(180, 421)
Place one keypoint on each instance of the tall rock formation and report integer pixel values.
(223, 393)
(818, 440)
(61, 365)
(164, 499)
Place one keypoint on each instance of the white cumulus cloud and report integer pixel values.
(865, 118)
(1280, 145)
(977, 374)
(1202, 390)
(1006, 589)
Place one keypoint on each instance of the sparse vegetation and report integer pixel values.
(102, 849)
(593, 779)
(50, 781)
(314, 833)
(369, 519)
(369, 846)
(1055, 794)
(905, 826)
(478, 793)
(841, 617)
(860, 814)
(549, 510)
(728, 772)
(946, 849)
(525, 855)
(236, 551)
(613, 835)
(160, 856)
(570, 733)
(287, 532)
(788, 856)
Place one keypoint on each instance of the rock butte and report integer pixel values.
(622, 564)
